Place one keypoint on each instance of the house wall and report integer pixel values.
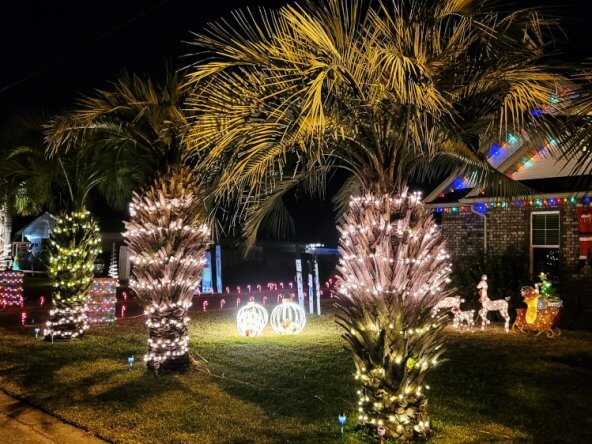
(463, 233)
(508, 232)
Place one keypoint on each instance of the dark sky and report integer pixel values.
(52, 51)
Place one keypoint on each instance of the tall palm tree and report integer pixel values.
(383, 91)
(145, 119)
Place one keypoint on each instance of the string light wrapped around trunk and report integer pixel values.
(167, 239)
(393, 271)
(73, 247)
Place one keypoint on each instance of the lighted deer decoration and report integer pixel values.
(488, 305)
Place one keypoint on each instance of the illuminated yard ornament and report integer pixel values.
(488, 305)
(251, 319)
(288, 318)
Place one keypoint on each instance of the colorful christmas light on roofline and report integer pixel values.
(536, 202)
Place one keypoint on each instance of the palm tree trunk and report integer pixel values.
(168, 338)
(393, 270)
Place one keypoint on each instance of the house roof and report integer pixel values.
(39, 228)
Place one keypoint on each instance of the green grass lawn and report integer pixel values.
(494, 386)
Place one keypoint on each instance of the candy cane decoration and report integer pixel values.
(204, 305)
(237, 302)
(264, 300)
(279, 296)
(222, 303)
(259, 287)
(249, 288)
(238, 289)
(41, 300)
(227, 290)
(23, 317)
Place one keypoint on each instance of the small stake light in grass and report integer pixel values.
(341, 419)
(251, 319)
(37, 329)
(130, 361)
(288, 318)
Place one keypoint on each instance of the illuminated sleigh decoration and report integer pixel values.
(541, 315)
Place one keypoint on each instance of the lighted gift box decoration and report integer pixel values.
(288, 318)
(102, 301)
(11, 288)
(251, 319)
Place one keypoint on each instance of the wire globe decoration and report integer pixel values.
(288, 318)
(251, 319)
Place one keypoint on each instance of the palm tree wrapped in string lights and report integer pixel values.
(167, 237)
(385, 92)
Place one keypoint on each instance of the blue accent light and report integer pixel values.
(587, 199)
(495, 150)
(480, 207)
(440, 209)
(537, 112)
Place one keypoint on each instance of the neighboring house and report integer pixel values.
(551, 228)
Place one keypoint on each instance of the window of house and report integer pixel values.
(544, 242)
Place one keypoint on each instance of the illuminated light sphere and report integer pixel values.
(288, 318)
(251, 319)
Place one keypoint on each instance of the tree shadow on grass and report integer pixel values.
(508, 380)
(300, 381)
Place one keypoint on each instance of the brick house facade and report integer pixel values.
(508, 231)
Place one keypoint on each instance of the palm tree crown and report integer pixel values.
(381, 92)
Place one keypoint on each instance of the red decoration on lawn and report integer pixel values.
(11, 289)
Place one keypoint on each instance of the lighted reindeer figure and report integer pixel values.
(488, 305)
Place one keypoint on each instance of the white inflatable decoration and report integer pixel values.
(288, 318)
(251, 319)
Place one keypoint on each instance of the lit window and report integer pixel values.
(545, 243)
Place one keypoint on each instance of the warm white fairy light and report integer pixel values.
(288, 318)
(251, 319)
(74, 245)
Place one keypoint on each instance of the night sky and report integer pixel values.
(52, 51)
